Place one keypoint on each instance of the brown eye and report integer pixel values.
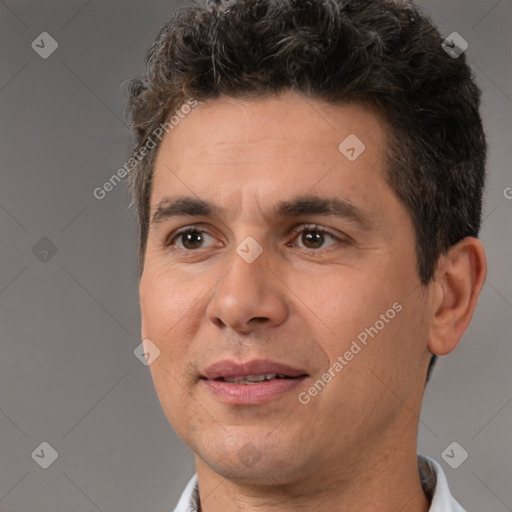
(312, 237)
(189, 239)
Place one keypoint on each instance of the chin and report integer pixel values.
(253, 460)
(263, 473)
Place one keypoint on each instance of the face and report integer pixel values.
(297, 259)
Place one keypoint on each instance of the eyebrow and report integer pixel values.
(299, 206)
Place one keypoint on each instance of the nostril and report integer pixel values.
(259, 319)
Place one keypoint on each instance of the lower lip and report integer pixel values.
(251, 394)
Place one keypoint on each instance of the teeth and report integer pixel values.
(252, 379)
(257, 378)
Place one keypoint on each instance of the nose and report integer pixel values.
(248, 297)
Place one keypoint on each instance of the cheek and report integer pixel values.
(345, 303)
(164, 302)
(411, 331)
(165, 313)
(395, 356)
(166, 306)
(374, 309)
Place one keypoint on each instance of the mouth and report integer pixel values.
(250, 383)
(254, 379)
(250, 372)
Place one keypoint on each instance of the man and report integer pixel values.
(308, 179)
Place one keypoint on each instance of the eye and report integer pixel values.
(189, 239)
(193, 238)
(313, 237)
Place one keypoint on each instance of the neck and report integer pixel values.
(384, 479)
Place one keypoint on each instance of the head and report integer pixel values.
(274, 89)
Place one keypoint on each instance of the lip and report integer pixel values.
(250, 394)
(232, 369)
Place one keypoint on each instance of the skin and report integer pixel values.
(353, 446)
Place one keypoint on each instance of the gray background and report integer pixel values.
(70, 324)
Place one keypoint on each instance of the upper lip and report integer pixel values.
(232, 369)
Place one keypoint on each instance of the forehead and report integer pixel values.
(272, 121)
(226, 147)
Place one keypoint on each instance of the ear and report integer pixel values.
(458, 280)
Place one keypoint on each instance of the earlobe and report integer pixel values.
(458, 280)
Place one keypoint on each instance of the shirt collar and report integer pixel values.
(435, 486)
(433, 481)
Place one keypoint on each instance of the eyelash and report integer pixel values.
(169, 242)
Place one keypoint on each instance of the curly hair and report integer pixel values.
(384, 54)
